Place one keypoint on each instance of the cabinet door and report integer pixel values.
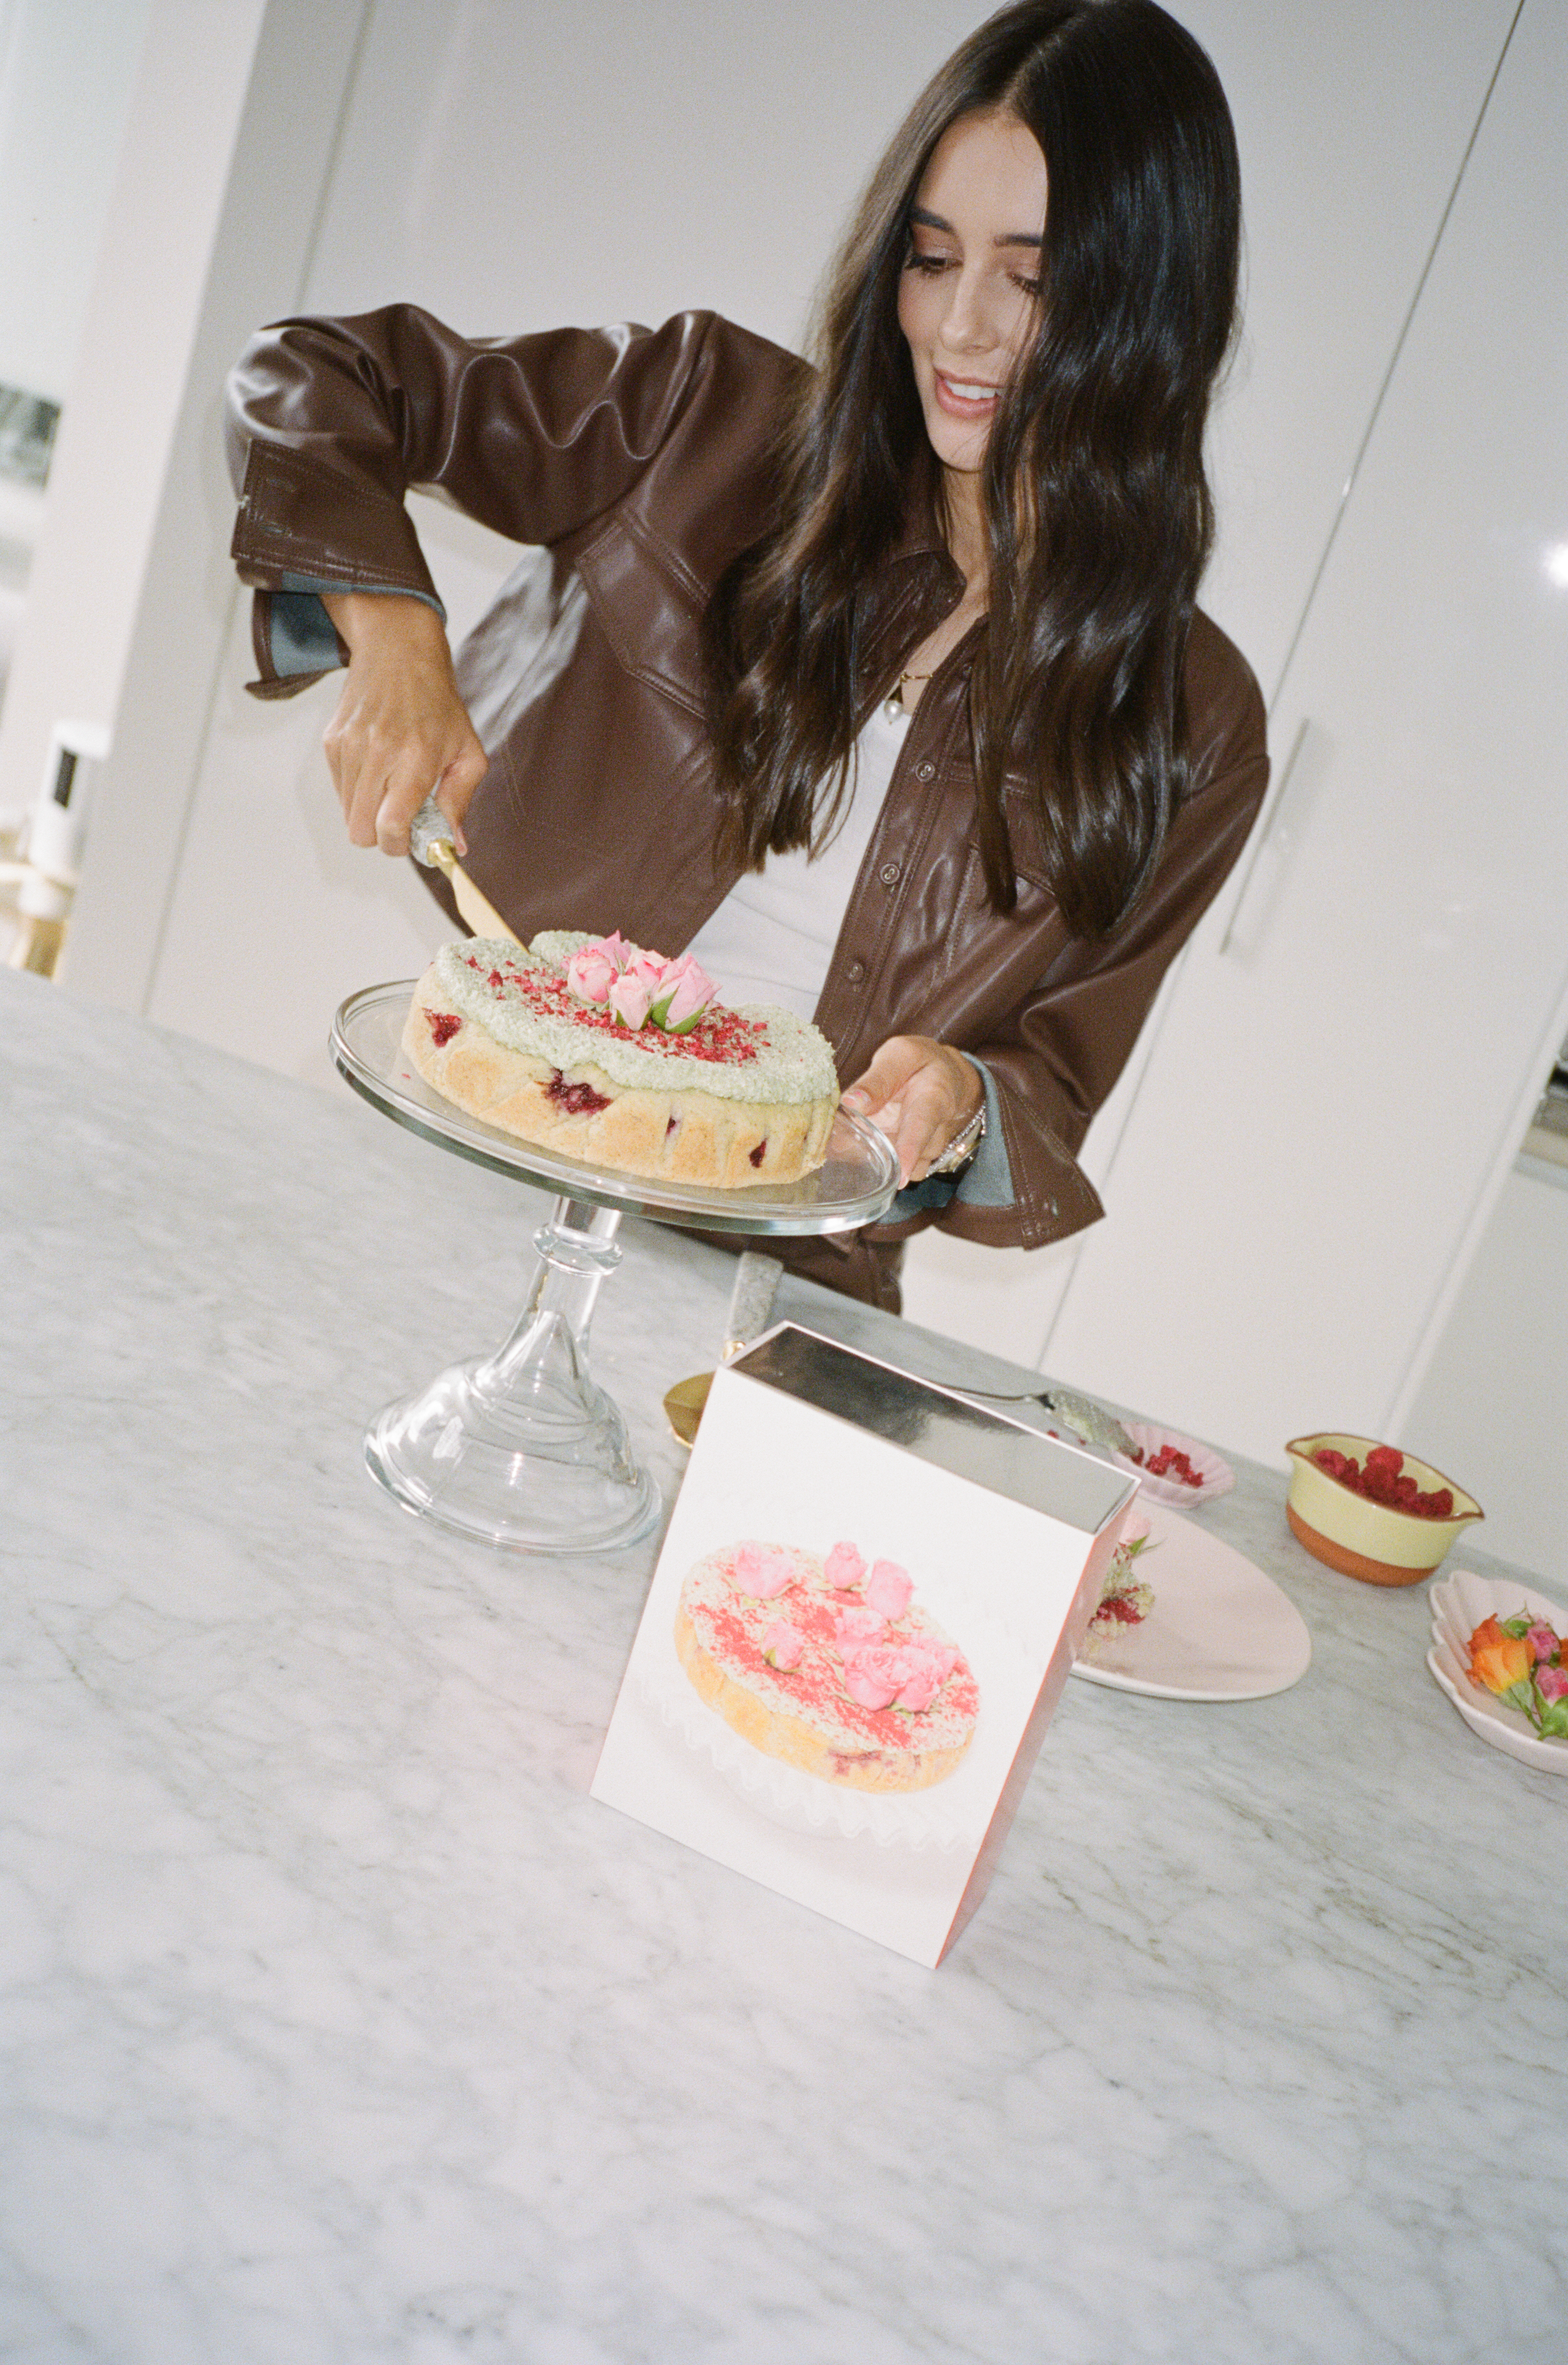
(1345, 1064)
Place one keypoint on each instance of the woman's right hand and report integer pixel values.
(400, 729)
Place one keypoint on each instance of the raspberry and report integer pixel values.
(1385, 1480)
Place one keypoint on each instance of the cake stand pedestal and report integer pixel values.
(522, 1448)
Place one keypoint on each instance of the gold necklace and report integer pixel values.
(893, 705)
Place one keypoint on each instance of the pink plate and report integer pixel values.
(1216, 1474)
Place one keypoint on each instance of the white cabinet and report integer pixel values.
(1352, 1050)
(1492, 1410)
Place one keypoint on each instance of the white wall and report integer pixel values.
(1493, 1410)
(132, 594)
(112, 458)
(66, 73)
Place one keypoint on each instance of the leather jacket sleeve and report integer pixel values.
(331, 422)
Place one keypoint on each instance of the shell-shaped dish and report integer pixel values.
(1215, 1473)
(1459, 1604)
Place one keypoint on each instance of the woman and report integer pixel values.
(885, 680)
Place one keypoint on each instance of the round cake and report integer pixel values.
(594, 1048)
(827, 1665)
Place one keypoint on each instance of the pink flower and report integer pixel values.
(590, 974)
(888, 1588)
(628, 999)
(854, 1628)
(761, 1570)
(901, 1675)
(648, 968)
(782, 1645)
(1551, 1683)
(685, 991)
(1543, 1641)
(844, 1567)
(875, 1676)
(928, 1665)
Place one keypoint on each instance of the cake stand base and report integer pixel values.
(521, 1448)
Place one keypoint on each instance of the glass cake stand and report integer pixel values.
(522, 1448)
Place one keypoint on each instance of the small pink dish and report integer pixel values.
(1215, 1475)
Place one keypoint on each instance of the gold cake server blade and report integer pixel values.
(430, 842)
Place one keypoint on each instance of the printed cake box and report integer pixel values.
(865, 1611)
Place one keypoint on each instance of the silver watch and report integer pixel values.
(962, 1148)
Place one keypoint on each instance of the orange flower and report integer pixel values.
(1498, 1660)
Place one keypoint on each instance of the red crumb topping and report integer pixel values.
(721, 1037)
(578, 1099)
(445, 1025)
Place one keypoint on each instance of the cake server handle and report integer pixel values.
(430, 842)
(751, 1301)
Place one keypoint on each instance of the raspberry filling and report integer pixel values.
(445, 1025)
(578, 1099)
(757, 1155)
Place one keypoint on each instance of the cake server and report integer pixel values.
(751, 1302)
(430, 842)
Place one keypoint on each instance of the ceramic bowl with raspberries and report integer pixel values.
(1370, 1510)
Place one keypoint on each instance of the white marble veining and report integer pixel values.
(341, 2028)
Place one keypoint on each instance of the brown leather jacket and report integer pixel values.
(638, 457)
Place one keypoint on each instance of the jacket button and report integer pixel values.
(925, 771)
(857, 972)
(890, 874)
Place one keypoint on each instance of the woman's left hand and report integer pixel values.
(920, 1093)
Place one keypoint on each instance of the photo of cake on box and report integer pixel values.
(868, 1601)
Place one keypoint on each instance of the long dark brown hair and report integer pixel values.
(1098, 515)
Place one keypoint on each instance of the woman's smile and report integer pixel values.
(969, 293)
(965, 398)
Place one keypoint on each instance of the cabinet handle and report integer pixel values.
(1269, 838)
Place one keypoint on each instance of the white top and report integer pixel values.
(771, 939)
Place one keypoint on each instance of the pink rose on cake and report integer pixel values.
(631, 995)
(683, 994)
(763, 1571)
(628, 999)
(782, 1645)
(902, 1674)
(594, 967)
(927, 1668)
(843, 1568)
(636, 987)
(854, 1628)
(889, 1589)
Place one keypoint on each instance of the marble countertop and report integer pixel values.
(341, 2027)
